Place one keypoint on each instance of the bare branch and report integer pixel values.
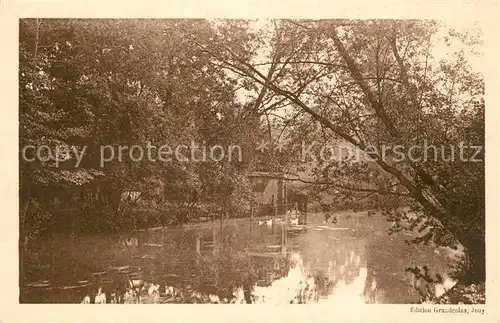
(356, 189)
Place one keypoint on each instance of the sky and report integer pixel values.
(440, 49)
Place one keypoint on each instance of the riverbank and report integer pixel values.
(465, 294)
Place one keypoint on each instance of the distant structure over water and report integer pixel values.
(273, 194)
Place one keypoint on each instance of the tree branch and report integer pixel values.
(356, 189)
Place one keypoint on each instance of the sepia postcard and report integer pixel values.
(309, 161)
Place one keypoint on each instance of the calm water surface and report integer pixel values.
(352, 261)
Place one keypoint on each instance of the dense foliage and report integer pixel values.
(351, 84)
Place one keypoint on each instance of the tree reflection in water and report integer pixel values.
(328, 266)
(389, 281)
(338, 264)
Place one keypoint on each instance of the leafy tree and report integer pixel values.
(347, 84)
(89, 84)
(366, 84)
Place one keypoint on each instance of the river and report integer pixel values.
(354, 260)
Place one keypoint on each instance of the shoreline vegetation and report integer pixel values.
(288, 94)
(460, 293)
(465, 294)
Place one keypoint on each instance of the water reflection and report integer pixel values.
(350, 262)
(301, 286)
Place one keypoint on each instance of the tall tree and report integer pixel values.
(377, 84)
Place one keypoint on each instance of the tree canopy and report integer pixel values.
(353, 84)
